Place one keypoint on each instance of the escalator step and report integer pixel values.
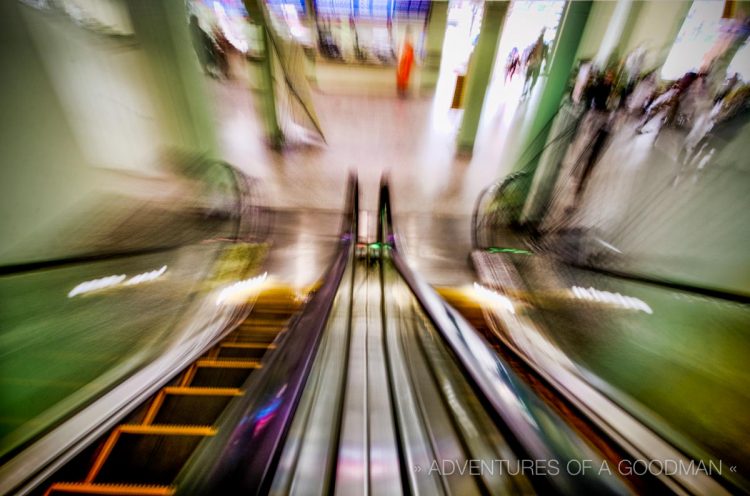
(243, 350)
(181, 405)
(150, 454)
(223, 373)
(263, 327)
(81, 488)
(205, 391)
(228, 364)
(268, 307)
(144, 459)
(266, 321)
(264, 338)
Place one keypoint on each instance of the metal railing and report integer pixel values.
(498, 206)
(254, 217)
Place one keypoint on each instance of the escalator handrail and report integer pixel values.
(243, 459)
(490, 192)
(514, 404)
(250, 205)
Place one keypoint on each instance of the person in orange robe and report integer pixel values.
(405, 62)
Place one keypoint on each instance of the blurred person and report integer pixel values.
(360, 54)
(203, 45)
(698, 113)
(666, 105)
(629, 76)
(581, 81)
(696, 101)
(328, 46)
(737, 101)
(536, 55)
(512, 65)
(723, 124)
(728, 85)
(405, 63)
(642, 94)
(597, 98)
(633, 64)
(223, 48)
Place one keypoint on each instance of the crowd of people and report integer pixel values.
(621, 94)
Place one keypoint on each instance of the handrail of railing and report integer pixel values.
(490, 191)
(526, 168)
(253, 217)
(538, 433)
(243, 459)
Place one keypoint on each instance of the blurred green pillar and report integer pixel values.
(312, 23)
(480, 70)
(435, 35)
(161, 28)
(561, 65)
(263, 72)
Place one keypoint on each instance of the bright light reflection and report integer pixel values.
(96, 284)
(616, 299)
(146, 276)
(115, 280)
(240, 290)
(494, 298)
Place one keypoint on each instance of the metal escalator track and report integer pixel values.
(144, 455)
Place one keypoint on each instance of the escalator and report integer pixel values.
(405, 398)
(374, 385)
(144, 455)
(160, 446)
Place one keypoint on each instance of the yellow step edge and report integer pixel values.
(248, 346)
(275, 314)
(264, 333)
(263, 327)
(228, 364)
(278, 300)
(202, 391)
(167, 430)
(110, 489)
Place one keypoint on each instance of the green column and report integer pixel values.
(161, 28)
(558, 75)
(263, 71)
(435, 35)
(480, 70)
(312, 24)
